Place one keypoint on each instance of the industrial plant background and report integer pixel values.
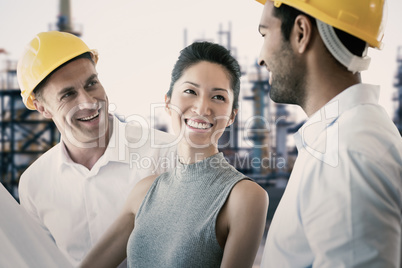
(138, 42)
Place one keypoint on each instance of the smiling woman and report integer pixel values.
(203, 101)
(204, 213)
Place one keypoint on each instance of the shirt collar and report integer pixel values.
(64, 156)
(111, 153)
(116, 144)
(355, 95)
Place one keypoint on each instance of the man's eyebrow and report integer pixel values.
(93, 76)
(64, 91)
(67, 89)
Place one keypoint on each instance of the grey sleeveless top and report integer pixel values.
(175, 224)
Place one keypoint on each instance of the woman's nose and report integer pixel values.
(201, 107)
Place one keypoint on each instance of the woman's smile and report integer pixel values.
(198, 125)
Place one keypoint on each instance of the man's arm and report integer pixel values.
(351, 214)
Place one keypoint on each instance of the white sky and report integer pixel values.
(139, 40)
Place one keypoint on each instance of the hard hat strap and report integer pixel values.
(340, 52)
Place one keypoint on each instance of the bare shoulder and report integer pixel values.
(144, 184)
(139, 192)
(248, 194)
(247, 189)
(246, 207)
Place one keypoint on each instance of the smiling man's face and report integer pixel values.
(76, 101)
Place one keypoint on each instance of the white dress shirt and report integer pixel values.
(76, 205)
(343, 202)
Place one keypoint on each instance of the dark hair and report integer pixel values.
(37, 90)
(288, 14)
(210, 52)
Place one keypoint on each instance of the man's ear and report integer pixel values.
(232, 117)
(167, 103)
(42, 109)
(302, 33)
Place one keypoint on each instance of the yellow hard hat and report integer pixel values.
(46, 52)
(362, 19)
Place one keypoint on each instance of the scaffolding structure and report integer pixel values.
(398, 95)
(24, 134)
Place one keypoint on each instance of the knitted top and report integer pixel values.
(175, 224)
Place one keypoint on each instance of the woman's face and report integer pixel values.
(201, 104)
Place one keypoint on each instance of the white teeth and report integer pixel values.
(199, 125)
(89, 117)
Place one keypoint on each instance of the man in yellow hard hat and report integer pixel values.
(77, 188)
(342, 205)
